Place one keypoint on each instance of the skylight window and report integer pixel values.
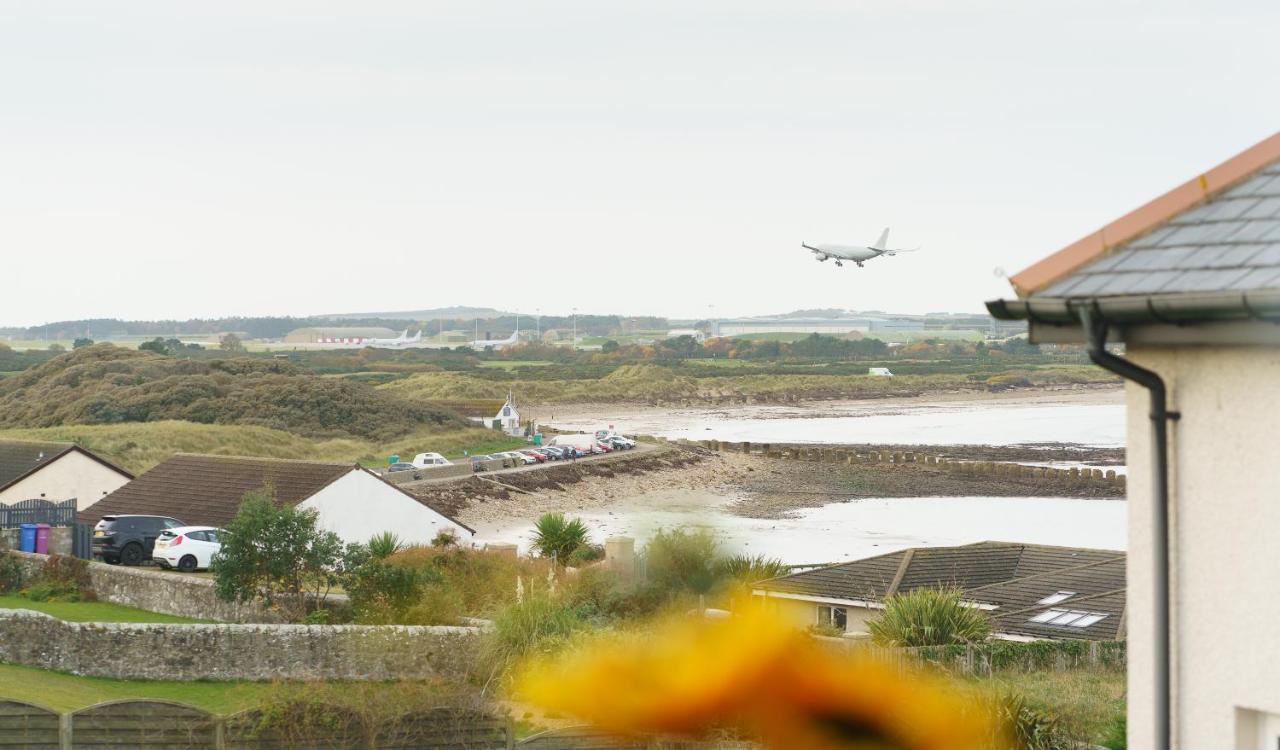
(1068, 618)
(1060, 596)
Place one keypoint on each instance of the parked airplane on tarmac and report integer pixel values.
(403, 341)
(855, 253)
(483, 344)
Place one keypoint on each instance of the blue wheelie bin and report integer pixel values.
(27, 537)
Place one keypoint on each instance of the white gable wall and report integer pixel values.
(359, 506)
(71, 475)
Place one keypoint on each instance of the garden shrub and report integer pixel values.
(62, 579)
(12, 573)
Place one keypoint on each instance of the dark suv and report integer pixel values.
(129, 539)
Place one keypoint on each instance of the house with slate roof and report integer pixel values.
(56, 472)
(351, 501)
(1029, 591)
(1189, 283)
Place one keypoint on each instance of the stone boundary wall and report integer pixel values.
(180, 594)
(236, 652)
(1072, 476)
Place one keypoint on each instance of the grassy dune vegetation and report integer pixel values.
(137, 446)
(653, 383)
(138, 408)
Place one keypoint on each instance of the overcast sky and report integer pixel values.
(162, 159)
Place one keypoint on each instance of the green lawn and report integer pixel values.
(91, 611)
(65, 692)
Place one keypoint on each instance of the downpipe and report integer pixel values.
(1095, 330)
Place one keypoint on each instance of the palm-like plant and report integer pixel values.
(384, 545)
(928, 617)
(557, 537)
(748, 569)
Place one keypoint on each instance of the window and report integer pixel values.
(199, 536)
(836, 617)
(1060, 596)
(1068, 618)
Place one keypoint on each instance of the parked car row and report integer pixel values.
(168, 542)
(544, 453)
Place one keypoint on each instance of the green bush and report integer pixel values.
(928, 617)
(584, 555)
(1029, 727)
(278, 553)
(678, 561)
(61, 579)
(12, 572)
(381, 593)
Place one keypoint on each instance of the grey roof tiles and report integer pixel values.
(1230, 242)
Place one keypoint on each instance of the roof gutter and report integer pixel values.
(1095, 329)
(1173, 309)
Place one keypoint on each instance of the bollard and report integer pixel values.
(1111, 475)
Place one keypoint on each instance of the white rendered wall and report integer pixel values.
(72, 475)
(1225, 571)
(359, 506)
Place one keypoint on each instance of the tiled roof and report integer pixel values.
(1012, 578)
(18, 458)
(1231, 242)
(207, 490)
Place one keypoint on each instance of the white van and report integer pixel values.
(423, 460)
(582, 441)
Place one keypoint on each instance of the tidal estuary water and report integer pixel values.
(854, 528)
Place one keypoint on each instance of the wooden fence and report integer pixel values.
(163, 725)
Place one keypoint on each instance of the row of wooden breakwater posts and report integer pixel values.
(1076, 475)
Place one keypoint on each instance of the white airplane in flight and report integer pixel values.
(855, 253)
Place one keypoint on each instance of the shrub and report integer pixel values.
(679, 561)
(445, 538)
(584, 555)
(61, 578)
(1028, 727)
(382, 593)
(12, 572)
(557, 537)
(385, 545)
(928, 617)
(278, 554)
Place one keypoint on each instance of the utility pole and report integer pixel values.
(575, 329)
(537, 312)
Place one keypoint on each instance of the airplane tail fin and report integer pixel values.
(881, 243)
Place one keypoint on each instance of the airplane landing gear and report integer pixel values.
(839, 264)
(860, 265)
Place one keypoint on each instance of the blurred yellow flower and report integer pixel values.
(690, 676)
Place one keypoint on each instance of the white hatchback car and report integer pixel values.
(187, 548)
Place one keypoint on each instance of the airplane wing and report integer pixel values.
(881, 243)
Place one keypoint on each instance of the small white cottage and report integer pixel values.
(508, 418)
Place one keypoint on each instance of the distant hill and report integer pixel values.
(104, 384)
(439, 313)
